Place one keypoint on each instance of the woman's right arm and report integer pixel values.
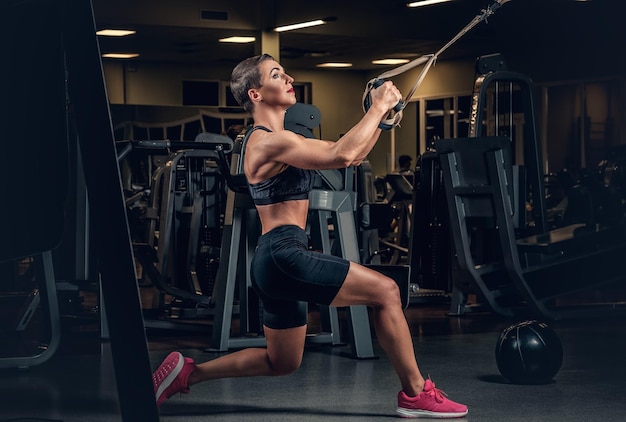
(289, 148)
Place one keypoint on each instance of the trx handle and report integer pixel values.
(377, 83)
(386, 124)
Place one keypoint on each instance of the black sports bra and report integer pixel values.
(289, 185)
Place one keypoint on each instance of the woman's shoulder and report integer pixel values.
(273, 140)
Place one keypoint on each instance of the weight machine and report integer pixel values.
(504, 249)
(178, 247)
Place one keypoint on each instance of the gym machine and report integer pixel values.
(398, 193)
(528, 276)
(179, 247)
(494, 188)
(70, 91)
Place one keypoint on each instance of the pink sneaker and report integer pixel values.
(430, 403)
(171, 377)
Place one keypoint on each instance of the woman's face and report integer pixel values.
(276, 85)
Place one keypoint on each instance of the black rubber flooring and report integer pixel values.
(78, 384)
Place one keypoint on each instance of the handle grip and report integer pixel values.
(367, 102)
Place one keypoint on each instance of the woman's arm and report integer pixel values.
(289, 148)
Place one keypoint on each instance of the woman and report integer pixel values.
(279, 167)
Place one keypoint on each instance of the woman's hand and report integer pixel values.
(386, 96)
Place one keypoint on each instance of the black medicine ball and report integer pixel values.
(529, 352)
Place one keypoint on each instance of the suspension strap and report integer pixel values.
(429, 60)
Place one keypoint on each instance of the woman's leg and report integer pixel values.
(364, 286)
(282, 356)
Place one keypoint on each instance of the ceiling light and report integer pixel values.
(390, 61)
(304, 24)
(115, 32)
(120, 55)
(336, 65)
(238, 40)
(425, 3)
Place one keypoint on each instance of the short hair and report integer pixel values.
(405, 160)
(246, 76)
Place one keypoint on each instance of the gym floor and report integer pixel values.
(78, 384)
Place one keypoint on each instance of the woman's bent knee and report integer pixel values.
(385, 294)
(389, 294)
(284, 349)
(281, 367)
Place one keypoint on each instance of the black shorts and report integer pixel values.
(287, 275)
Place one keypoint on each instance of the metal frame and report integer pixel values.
(162, 202)
(477, 187)
(531, 144)
(116, 265)
(47, 281)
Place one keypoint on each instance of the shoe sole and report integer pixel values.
(414, 414)
(171, 377)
